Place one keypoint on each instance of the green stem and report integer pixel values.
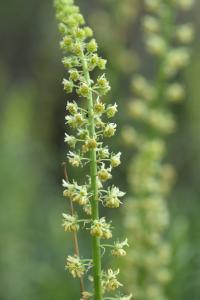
(94, 201)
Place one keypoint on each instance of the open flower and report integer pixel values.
(70, 140)
(109, 130)
(110, 282)
(75, 266)
(112, 198)
(115, 160)
(101, 229)
(72, 107)
(118, 249)
(111, 110)
(76, 193)
(70, 223)
(74, 159)
(104, 173)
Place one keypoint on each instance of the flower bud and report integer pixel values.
(68, 41)
(103, 153)
(77, 48)
(103, 85)
(70, 223)
(74, 75)
(62, 28)
(111, 110)
(70, 140)
(101, 63)
(75, 121)
(92, 46)
(109, 130)
(91, 143)
(115, 160)
(93, 62)
(99, 107)
(68, 86)
(80, 34)
(70, 189)
(84, 90)
(72, 107)
(79, 119)
(112, 198)
(118, 248)
(82, 133)
(118, 252)
(75, 266)
(87, 209)
(107, 234)
(104, 174)
(67, 62)
(79, 19)
(110, 283)
(74, 159)
(88, 31)
(96, 229)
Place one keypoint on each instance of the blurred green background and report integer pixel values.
(32, 244)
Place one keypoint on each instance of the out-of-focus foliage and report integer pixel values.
(147, 217)
(113, 22)
(32, 107)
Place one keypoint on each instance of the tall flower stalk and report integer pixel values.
(147, 218)
(88, 118)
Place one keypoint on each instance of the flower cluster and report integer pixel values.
(75, 266)
(149, 177)
(101, 229)
(118, 248)
(70, 223)
(110, 281)
(89, 119)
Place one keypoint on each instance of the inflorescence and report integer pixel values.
(89, 118)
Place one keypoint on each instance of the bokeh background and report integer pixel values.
(32, 243)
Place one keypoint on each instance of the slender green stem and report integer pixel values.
(94, 189)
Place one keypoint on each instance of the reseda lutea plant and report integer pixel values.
(87, 118)
(147, 216)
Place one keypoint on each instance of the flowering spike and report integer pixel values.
(84, 117)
